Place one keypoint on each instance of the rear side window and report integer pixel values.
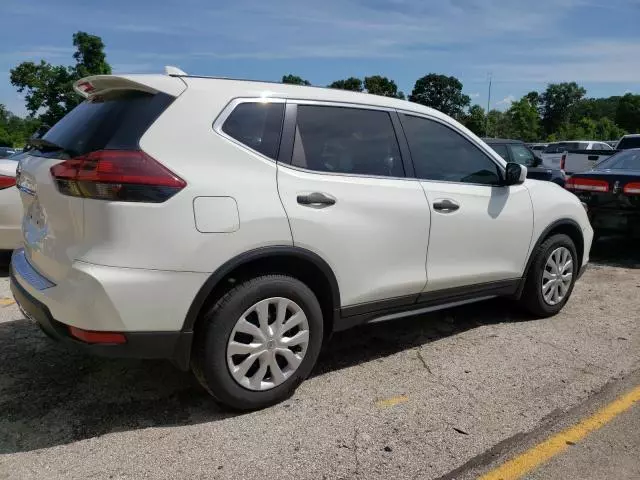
(346, 140)
(257, 125)
(116, 122)
(629, 142)
(440, 153)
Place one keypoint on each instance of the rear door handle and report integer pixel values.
(445, 206)
(316, 200)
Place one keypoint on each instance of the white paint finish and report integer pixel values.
(95, 297)
(552, 203)
(485, 240)
(52, 225)
(374, 238)
(216, 214)
(163, 236)
(579, 162)
(149, 83)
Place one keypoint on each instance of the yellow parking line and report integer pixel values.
(532, 458)
(7, 301)
(390, 402)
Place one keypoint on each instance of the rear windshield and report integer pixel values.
(561, 147)
(115, 122)
(629, 160)
(629, 142)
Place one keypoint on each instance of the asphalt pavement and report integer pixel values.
(436, 396)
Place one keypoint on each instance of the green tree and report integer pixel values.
(378, 85)
(497, 124)
(475, 120)
(628, 113)
(442, 93)
(49, 88)
(607, 130)
(14, 131)
(597, 108)
(523, 119)
(557, 104)
(352, 83)
(295, 80)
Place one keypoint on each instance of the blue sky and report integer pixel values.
(524, 44)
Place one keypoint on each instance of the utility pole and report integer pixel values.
(486, 120)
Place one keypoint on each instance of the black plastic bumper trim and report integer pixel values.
(174, 346)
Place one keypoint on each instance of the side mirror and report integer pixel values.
(515, 174)
(537, 161)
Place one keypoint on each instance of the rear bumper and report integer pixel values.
(173, 346)
(615, 221)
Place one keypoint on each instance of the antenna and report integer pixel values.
(486, 120)
(173, 71)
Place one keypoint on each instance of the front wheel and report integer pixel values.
(258, 342)
(551, 278)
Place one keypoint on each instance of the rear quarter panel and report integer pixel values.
(164, 236)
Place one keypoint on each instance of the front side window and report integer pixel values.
(346, 140)
(521, 155)
(257, 125)
(440, 153)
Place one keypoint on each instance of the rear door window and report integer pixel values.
(346, 140)
(116, 121)
(258, 125)
(521, 155)
(502, 151)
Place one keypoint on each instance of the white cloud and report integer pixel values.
(474, 95)
(506, 101)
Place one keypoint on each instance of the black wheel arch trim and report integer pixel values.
(256, 254)
(541, 238)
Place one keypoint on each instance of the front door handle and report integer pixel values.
(316, 200)
(445, 206)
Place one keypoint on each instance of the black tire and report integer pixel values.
(532, 299)
(209, 362)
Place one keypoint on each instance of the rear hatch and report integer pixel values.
(85, 155)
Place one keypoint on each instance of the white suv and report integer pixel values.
(232, 226)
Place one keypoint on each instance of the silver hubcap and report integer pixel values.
(557, 275)
(268, 343)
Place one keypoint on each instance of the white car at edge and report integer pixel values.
(231, 226)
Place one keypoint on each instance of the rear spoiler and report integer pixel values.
(102, 84)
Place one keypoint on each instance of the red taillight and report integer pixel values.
(86, 87)
(587, 184)
(632, 188)
(563, 159)
(6, 182)
(88, 336)
(120, 175)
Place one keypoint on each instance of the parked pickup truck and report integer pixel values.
(552, 155)
(578, 161)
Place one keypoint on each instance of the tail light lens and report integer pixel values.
(563, 159)
(587, 184)
(6, 182)
(117, 175)
(632, 188)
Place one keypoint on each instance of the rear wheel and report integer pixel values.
(258, 342)
(551, 277)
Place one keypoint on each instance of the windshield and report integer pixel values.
(629, 142)
(629, 160)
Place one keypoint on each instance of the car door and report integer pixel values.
(343, 184)
(480, 230)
